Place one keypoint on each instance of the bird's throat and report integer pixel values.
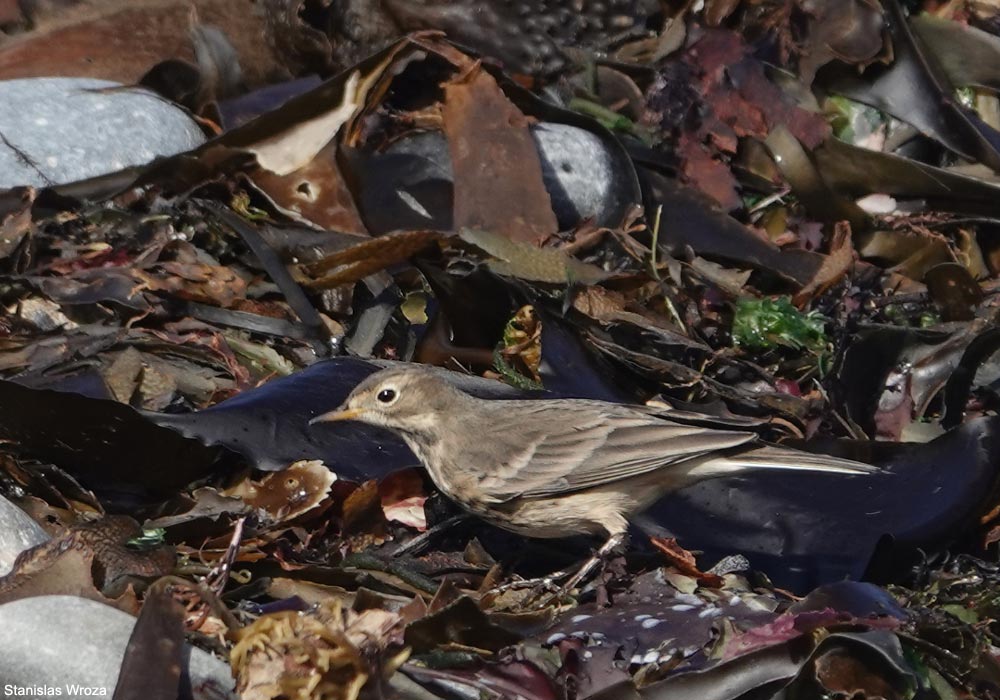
(422, 444)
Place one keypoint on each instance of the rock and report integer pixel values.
(409, 184)
(583, 177)
(76, 646)
(18, 532)
(58, 130)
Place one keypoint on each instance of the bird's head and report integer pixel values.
(404, 399)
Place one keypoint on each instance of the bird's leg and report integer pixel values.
(547, 583)
(613, 541)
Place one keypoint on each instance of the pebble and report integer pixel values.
(59, 130)
(18, 532)
(75, 646)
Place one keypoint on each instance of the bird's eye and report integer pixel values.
(386, 395)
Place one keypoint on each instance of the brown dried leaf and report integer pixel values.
(98, 285)
(156, 389)
(121, 40)
(210, 284)
(369, 257)
(849, 30)
(287, 139)
(14, 225)
(911, 251)
(364, 522)
(497, 170)
(525, 261)
(122, 376)
(730, 280)
(89, 560)
(741, 100)
(289, 493)
(459, 622)
(205, 503)
(836, 264)
(684, 561)
(599, 303)
(716, 11)
(316, 192)
(709, 175)
(522, 342)
(954, 291)
(848, 675)
(309, 591)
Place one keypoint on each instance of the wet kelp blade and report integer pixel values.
(102, 441)
(804, 530)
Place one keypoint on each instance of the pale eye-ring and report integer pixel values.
(386, 396)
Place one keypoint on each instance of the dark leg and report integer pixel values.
(544, 582)
(421, 540)
(589, 565)
(547, 583)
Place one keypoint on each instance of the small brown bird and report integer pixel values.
(560, 467)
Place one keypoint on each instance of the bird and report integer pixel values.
(550, 468)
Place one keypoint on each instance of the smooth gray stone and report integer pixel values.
(18, 532)
(58, 130)
(580, 174)
(68, 643)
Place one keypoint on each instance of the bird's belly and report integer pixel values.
(588, 512)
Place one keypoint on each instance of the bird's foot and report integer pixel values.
(545, 591)
(583, 572)
(542, 584)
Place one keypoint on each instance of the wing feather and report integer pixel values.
(605, 443)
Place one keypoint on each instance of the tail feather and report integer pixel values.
(771, 457)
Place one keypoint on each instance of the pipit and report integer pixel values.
(560, 467)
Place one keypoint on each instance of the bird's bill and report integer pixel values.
(330, 417)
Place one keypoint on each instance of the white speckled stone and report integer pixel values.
(579, 173)
(60, 641)
(58, 130)
(18, 532)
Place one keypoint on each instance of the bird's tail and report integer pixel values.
(771, 457)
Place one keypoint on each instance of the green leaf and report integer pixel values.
(148, 539)
(961, 612)
(763, 324)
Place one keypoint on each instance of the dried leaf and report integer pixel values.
(328, 653)
(497, 170)
(289, 493)
(684, 561)
(525, 261)
(836, 264)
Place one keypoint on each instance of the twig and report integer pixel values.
(656, 272)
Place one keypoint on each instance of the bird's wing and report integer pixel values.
(704, 420)
(774, 457)
(599, 444)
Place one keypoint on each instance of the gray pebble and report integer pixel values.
(77, 645)
(58, 130)
(18, 532)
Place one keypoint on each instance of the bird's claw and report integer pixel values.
(542, 584)
(547, 584)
